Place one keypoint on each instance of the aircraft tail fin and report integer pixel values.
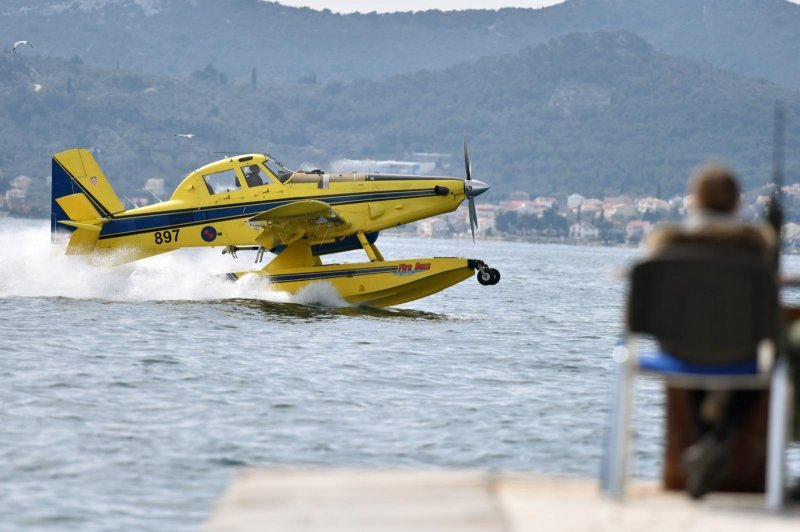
(82, 199)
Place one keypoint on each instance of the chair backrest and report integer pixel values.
(705, 304)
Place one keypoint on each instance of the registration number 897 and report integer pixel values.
(165, 237)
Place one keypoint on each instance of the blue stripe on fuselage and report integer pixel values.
(124, 226)
(312, 276)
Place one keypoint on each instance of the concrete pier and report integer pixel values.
(472, 501)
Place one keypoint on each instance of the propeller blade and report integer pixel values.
(473, 214)
(473, 218)
(466, 162)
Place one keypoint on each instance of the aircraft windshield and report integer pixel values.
(280, 171)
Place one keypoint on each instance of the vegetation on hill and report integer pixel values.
(597, 114)
(757, 38)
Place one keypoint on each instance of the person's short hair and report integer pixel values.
(715, 188)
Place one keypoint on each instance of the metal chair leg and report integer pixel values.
(617, 452)
(777, 436)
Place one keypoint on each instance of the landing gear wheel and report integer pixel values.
(485, 277)
(488, 276)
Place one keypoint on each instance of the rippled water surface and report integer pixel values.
(130, 396)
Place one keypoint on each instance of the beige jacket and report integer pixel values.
(712, 229)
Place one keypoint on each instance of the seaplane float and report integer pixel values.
(253, 202)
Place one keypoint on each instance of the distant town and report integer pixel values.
(612, 220)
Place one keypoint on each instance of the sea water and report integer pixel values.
(131, 395)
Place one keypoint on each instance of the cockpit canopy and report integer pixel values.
(228, 175)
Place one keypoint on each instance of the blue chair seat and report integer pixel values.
(661, 362)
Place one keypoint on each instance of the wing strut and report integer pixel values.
(370, 249)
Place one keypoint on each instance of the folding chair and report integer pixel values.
(714, 312)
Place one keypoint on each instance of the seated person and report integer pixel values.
(252, 176)
(712, 220)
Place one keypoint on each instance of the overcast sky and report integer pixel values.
(382, 6)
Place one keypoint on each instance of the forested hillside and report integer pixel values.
(599, 113)
(757, 38)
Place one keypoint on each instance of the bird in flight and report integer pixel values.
(20, 43)
(185, 135)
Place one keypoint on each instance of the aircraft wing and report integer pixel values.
(290, 222)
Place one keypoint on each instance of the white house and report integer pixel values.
(574, 201)
(583, 231)
(651, 204)
(435, 227)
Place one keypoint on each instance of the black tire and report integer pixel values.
(485, 277)
(495, 276)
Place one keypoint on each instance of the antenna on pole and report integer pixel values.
(775, 212)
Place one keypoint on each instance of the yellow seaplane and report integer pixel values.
(254, 202)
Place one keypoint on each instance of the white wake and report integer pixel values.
(31, 267)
